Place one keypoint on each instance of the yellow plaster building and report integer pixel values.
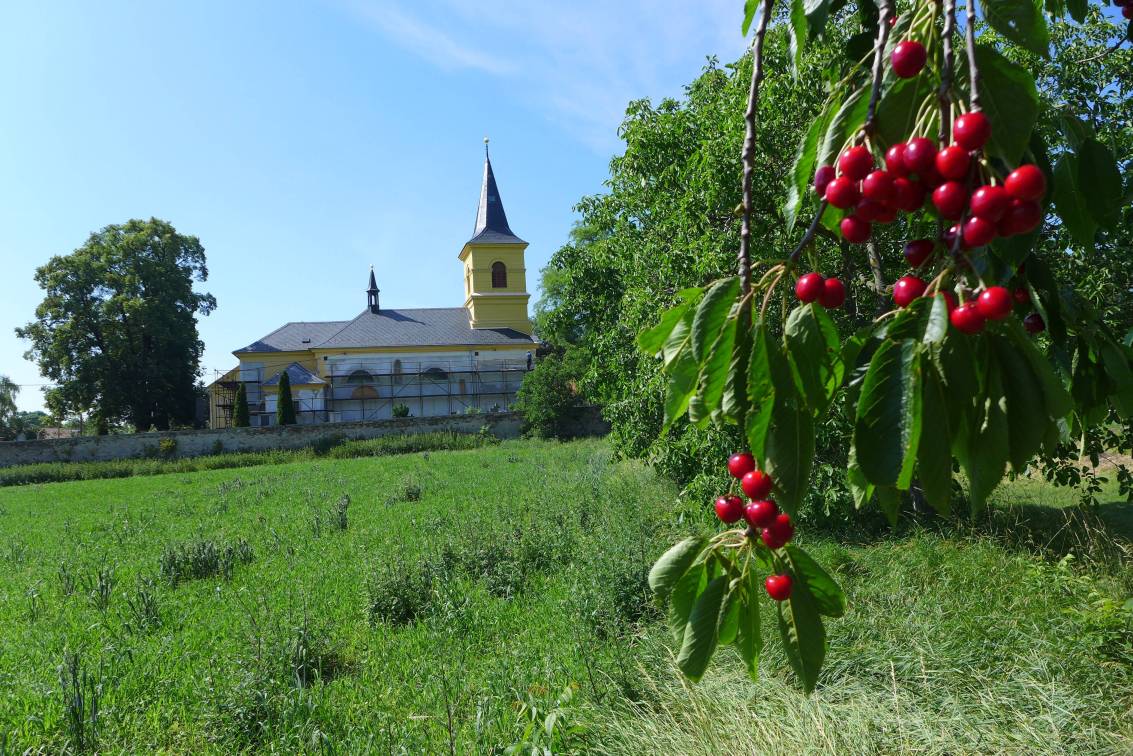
(434, 361)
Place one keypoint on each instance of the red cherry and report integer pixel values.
(833, 294)
(990, 202)
(907, 289)
(854, 229)
(808, 287)
(869, 210)
(920, 155)
(855, 163)
(1021, 218)
(995, 303)
(1021, 296)
(887, 214)
(952, 162)
(1026, 182)
(878, 186)
(756, 484)
(1034, 323)
(782, 528)
(771, 539)
(730, 508)
(822, 178)
(931, 177)
(950, 199)
(908, 59)
(893, 20)
(842, 193)
(978, 232)
(1127, 12)
(908, 195)
(949, 236)
(760, 514)
(740, 464)
(967, 318)
(778, 587)
(919, 250)
(971, 130)
(949, 299)
(895, 160)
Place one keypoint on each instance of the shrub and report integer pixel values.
(201, 558)
(401, 410)
(550, 392)
(240, 418)
(284, 405)
(167, 448)
(400, 591)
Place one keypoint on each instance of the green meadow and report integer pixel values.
(494, 600)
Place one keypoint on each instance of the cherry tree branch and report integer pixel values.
(878, 62)
(970, 42)
(808, 237)
(944, 94)
(749, 145)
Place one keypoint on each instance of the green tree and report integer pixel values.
(550, 392)
(116, 331)
(240, 410)
(8, 391)
(284, 406)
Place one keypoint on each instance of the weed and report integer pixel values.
(81, 694)
(193, 560)
(142, 612)
(167, 448)
(66, 580)
(400, 590)
(35, 603)
(100, 588)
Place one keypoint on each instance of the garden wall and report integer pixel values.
(193, 443)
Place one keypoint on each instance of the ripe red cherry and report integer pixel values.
(778, 587)
(842, 193)
(1021, 296)
(756, 484)
(855, 163)
(1021, 218)
(918, 250)
(869, 210)
(730, 508)
(895, 160)
(949, 299)
(833, 293)
(950, 236)
(760, 514)
(990, 202)
(907, 289)
(1026, 182)
(1034, 323)
(971, 130)
(908, 195)
(978, 232)
(782, 528)
(908, 59)
(808, 287)
(952, 162)
(920, 155)
(878, 186)
(822, 178)
(995, 303)
(950, 199)
(740, 464)
(771, 539)
(887, 214)
(967, 318)
(854, 229)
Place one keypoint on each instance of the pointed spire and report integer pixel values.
(372, 292)
(491, 221)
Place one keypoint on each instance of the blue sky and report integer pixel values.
(304, 141)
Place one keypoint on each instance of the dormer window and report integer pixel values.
(499, 275)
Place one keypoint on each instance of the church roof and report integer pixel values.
(298, 375)
(433, 326)
(491, 220)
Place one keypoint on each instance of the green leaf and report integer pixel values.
(750, 8)
(713, 375)
(899, 105)
(749, 640)
(860, 488)
(673, 565)
(734, 404)
(829, 598)
(1070, 201)
(653, 339)
(700, 637)
(1100, 182)
(936, 326)
(679, 339)
(1009, 98)
(808, 20)
(888, 425)
(804, 637)
(683, 596)
(845, 122)
(988, 447)
(1027, 421)
(761, 392)
(813, 350)
(788, 452)
(934, 453)
(889, 498)
(1117, 368)
(728, 623)
(711, 314)
(1056, 399)
(682, 375)
(1019, 21)
(1078, 9)
(802, 173)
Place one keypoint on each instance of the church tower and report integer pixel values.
(495, 279)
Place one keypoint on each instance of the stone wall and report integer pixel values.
(194, 443)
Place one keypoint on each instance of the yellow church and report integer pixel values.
(432, 361)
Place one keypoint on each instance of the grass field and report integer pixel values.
(468, 601)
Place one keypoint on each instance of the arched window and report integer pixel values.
(499, 275)
(359, 376)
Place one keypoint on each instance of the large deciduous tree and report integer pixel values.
(8, 392)
(116, 331)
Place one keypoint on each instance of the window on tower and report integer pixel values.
(499, 275)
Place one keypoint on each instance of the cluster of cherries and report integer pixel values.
(916, 170)
(775, 528)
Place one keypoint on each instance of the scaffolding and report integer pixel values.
(369, 388)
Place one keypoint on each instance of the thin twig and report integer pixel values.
(878, 62)
(808, 237)
(944, 95)
(1104, 53)
(973, 68)
(749, 145)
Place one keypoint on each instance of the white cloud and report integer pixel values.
(581, 62)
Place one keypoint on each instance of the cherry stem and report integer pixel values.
(878, 68)
(749, 145)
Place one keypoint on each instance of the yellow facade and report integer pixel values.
(489, 304)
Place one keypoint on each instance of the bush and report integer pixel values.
(193, 560)
(401, 410)
(167, 448)
(550, 392)
(400, 591)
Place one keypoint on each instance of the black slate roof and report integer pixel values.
(297, 374)
(491, 220)
(433, 326)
